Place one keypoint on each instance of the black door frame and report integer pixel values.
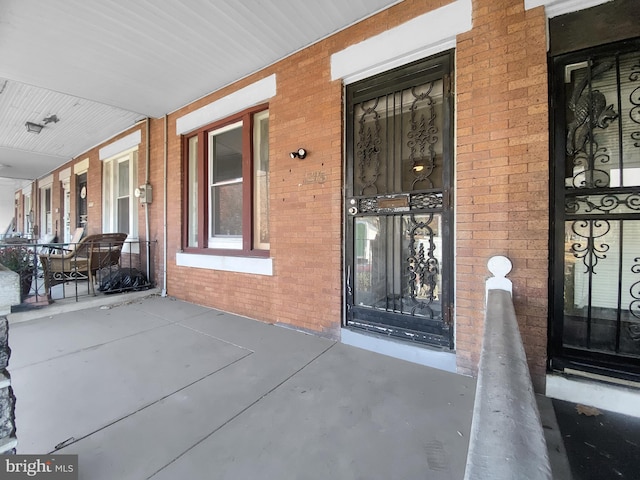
(436, 67)
(563, 357)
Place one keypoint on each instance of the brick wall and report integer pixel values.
(94, 187)
(502, 172)
(94, 193)
(57, 223)
(305, 195)
(20, 214)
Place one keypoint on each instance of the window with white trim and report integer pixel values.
(227, 190)
(120, 178)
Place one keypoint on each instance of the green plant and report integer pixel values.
(16, 258)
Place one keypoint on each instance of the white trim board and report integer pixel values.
(393, 348)
(254, 94)
(125, 143)
(65, 174)
(425, 35)
(81, 167)
(613, 398)
(46, 181)
(253, 265)
(554, 8)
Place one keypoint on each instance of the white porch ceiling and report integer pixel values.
(102, 65)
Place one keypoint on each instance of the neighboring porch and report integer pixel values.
(95, 265)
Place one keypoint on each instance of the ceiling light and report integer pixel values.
(33, 127)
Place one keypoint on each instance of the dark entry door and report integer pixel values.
(81, 200)
(596, 314)
(398, 215)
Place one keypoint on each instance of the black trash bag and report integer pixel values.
(124, 279)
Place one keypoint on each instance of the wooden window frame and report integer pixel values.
(247, 250)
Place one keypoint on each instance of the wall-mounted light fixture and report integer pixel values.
(33, 127)
(300, 153)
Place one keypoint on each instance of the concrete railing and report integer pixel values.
(507, 441)
(9, 295)
(9, 290)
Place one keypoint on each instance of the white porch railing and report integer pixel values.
(507, 441)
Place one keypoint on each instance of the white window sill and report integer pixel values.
(256, 266)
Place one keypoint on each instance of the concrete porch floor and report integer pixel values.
(155, 388)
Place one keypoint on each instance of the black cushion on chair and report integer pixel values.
(124, 279)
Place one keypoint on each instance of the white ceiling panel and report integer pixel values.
(101, 65)
(80, 125)
(154, 57)
(18, 164)
(69, 123)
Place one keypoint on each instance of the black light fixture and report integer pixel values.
(33, 127)
(50, 119)
(300, 153)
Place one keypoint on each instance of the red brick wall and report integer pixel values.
(94, 189)
(21, 212)
(502, 182)
(56, 207)
(306, 214)
(94, 193)
(502, 172)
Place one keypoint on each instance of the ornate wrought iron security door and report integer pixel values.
(397, 215)
(596, 283)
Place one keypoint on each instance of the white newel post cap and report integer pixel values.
(499, 266)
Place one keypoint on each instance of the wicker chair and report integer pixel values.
(91, 254)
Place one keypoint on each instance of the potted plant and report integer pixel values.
(20, 259)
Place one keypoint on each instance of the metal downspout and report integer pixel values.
(164, 213)
(146, 205)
